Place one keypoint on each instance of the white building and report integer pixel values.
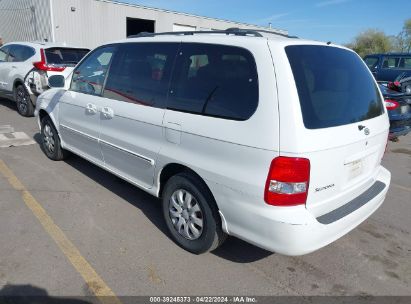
(90, 23)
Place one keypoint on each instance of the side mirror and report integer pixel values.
(57, 81)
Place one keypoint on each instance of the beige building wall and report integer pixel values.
(93, 22)
(89, 23)
(25, 20)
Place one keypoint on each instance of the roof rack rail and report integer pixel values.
(230, 31)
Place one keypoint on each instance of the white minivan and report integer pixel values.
(272, 139)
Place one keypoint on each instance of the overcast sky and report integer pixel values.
(327, 20)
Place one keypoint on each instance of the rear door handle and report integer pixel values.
(107, 112)
(14, 67)
(91, 108)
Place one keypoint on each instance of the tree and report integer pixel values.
(403, 39)
(375, 41)
(371, 41)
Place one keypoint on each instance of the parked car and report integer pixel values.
(26, 66)
(238, 132)
(398, 105)
(387, 67)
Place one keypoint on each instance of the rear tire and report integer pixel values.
(23, 102)
(191, 214)
(50, 141)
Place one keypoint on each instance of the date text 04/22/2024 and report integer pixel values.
(205, 299)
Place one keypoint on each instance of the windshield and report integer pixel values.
(334, 86)
(64, 56)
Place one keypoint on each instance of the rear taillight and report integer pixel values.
(391, 104)
(43, 66)
(287, 181)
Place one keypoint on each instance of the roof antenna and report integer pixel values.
(329, 42)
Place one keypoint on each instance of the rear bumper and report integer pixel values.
(292, 238)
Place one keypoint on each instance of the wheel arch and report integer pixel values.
(171, 169)
(16, 83)
(43, 113)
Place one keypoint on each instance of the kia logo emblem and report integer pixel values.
(367, 131)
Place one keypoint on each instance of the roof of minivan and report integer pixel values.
(222, 38)
(200, 36)
(389, 54)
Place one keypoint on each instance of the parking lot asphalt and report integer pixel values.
(71, 229)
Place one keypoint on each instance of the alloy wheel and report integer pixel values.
(48, 138)
(22, 100)
(186, 214)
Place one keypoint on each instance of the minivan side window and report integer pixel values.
(371, 62)
(20, 53)
(390, 62)
(141, 73)
(215, 80)
(89, 76)
(405, 63)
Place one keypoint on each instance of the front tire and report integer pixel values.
(23, 102)
(50, 141)
(191, 214)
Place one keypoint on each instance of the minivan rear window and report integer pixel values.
(65, 56)
(334, 86)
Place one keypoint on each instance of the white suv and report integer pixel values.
(275, 140)
(26, 66)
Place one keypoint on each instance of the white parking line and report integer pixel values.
(15, 139)
(6, 129)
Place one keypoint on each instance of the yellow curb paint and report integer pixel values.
(95, 283)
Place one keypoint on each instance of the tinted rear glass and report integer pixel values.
(64, 56)
(334, 86)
